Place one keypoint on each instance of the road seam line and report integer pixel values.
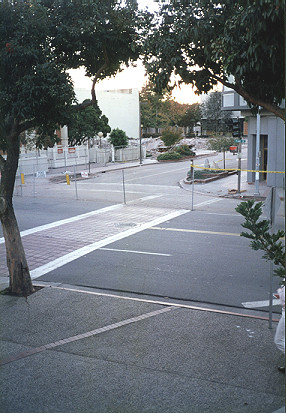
(165, 303)
(91, 333)
(136, 252)
(196, 231)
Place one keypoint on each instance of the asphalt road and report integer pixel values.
(196, 257)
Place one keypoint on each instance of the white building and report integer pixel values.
(121, 106)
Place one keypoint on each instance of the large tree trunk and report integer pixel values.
(20, 280)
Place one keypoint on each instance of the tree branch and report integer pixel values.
(2, 162)
(251, 98)
(94, 81)
(27, 124)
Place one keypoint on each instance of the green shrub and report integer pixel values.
(169, 156)
(170, 137)
(261, 235)
(118, 137)
(185, 150)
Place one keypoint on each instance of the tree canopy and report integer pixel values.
(40, 41)
(153, 107)
(239, 44)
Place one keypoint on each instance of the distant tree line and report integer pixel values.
(160, 111)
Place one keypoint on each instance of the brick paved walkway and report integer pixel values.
(107, 225)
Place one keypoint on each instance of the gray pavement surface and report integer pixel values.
(80, 350)
(73, 351)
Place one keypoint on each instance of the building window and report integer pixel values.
(228, 100)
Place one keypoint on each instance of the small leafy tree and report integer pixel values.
(154, 107)
(118, 137)
(170, 137)
(215, 119)
(191, 116)
(160, 110)
(262, 236)
(221, 144)
(85, 124)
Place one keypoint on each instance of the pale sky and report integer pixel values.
(132, 77)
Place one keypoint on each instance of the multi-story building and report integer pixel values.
(272, 140)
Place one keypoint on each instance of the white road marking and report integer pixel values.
(228, 215)
(115, 191)
(160, 173)
(210, 201)
(145, 198)
(257, 304)
(65, 259)
(136, 252)
(128, 185)
(66, 221)
(77, 218)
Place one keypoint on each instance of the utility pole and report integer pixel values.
(239, 167)
(257, 153)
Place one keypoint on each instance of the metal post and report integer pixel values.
(34, 181)
(272, 223)
(21, 184)
(193, 182)
(74, 173)
(65, 155)
(257, 153)
(123, 184)
(140, 145)
(270, 294)
(239, 167)
(88, 150)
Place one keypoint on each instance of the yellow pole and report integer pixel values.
(22, 179)
(68, 179)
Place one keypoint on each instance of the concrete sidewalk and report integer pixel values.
(227, 187)
(82, 351)
(70, 350)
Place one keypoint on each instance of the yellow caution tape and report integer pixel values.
(235, 169)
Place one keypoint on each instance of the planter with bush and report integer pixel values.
(204, 176)
(169, 156)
